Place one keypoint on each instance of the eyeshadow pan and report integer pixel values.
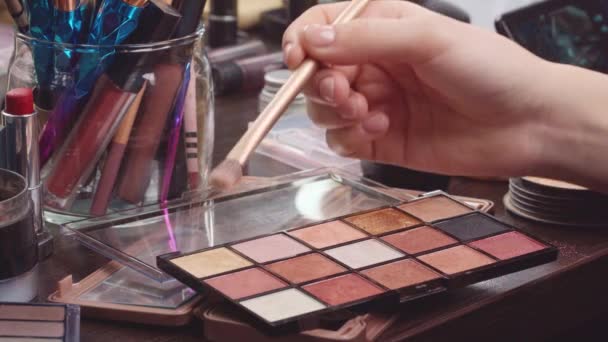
(344, 289)
(383, 221)
(364, 253)
(435, 208)
(211, 262)
(246, 283)
(471, 227)
(31, 329)
(306, 268)
(456, 259)
(401, 274)
(271, 248)
(328, 234)
(32, 313)
(419, 240)
(283, 305)
(509, 245)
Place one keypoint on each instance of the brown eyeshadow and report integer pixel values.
(306, 268)
(401, 274)
(456, 259)
(419, 240)
(31, 329)
(383, 221)
(246, 283)
(435, 208)
(32, 313)
(328, 234)
(343, 289)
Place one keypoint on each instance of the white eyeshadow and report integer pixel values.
(365, 253)
(282, 305)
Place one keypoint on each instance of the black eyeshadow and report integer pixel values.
(471, 227)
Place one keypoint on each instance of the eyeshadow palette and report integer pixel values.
(39, 323)
(382, 256)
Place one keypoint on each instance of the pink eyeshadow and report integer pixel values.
(271, 248)
(246, 283)
(509, 245)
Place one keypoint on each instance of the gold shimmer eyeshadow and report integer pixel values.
(419, 240)
(435, 208)
(212, 262)
(383, 221)
(306, 268)
(401, 274)
(456, 259)
(328, 234)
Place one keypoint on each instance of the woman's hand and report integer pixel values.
(403, 85)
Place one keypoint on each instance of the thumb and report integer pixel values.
(413, 40)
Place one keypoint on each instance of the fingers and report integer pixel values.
(351, 112)
(357, 141)
(326, 14)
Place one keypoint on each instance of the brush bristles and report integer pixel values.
(226, 175)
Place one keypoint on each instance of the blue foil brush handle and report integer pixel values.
(41, 28)
(68, 30)
(115, 21)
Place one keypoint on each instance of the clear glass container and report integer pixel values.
(122, 126)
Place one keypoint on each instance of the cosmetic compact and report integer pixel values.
(118, 293)
(556, 202)
(39, 322)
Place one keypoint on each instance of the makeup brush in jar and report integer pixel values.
(230, 171)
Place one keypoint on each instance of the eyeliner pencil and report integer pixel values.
(230, 171)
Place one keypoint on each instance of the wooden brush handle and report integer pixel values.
(288, 92)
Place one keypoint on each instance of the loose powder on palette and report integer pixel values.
(271, 248)
(31, 329)
(436, 208)
(364, 253)
(419, 240)
(344, 289)
(211, 262)
(456, 259)
(471, 227)
(32, 313)
(246, 283)
(328, 234)
(383, 221)
(509, 245)
(306, 268)
(283, 305)
(401, 274)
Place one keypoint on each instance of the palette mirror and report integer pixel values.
(136, 237)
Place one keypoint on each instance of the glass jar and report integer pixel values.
(122, 126)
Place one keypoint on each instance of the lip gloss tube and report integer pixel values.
(22, 127)
(112, 96)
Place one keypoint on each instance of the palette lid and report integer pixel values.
(136, 237)
(118, 293)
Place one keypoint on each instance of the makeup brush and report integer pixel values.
(230, 171)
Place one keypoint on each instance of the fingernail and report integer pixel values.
(286, 51)
(326, 89)
(376, 124)
(320, 35)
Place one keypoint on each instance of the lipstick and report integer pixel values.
(21, 128)
(112, 96)
(245, 74)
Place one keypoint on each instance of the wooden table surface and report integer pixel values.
(536, 304)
